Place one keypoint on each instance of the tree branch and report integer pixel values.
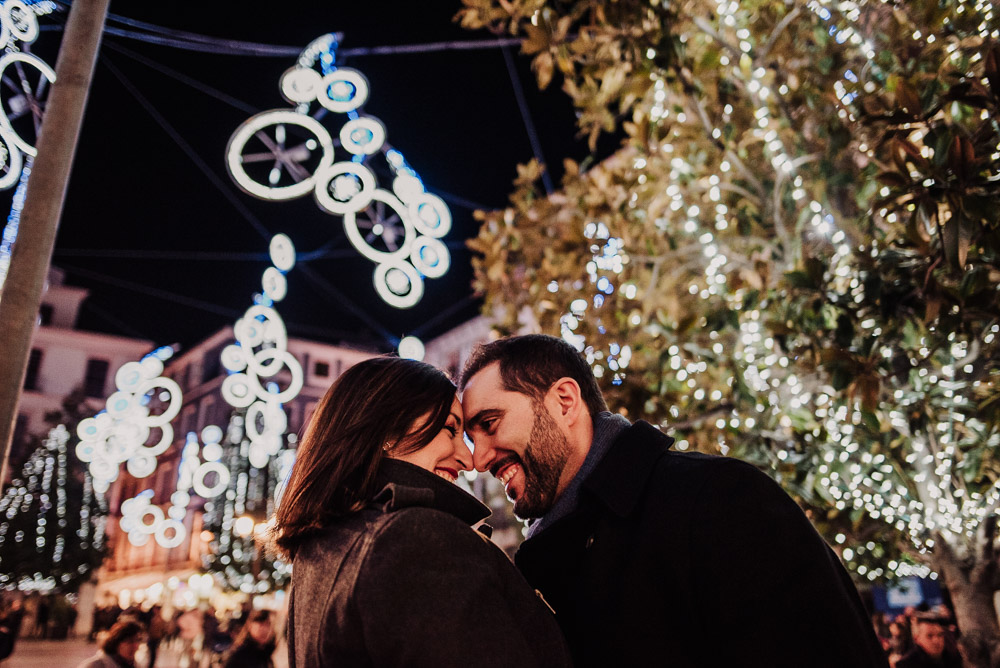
(776, 33)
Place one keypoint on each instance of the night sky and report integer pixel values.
(135, 193)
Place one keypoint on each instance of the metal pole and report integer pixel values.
(29, 262)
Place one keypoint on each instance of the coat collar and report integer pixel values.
(621, 475)
(404, 485)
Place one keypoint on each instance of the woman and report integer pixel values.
(255, 643)
(387, 571)
(119, 647)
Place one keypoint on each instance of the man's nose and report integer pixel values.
(482, 456)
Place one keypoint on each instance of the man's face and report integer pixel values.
(517, 439)
(930, 638)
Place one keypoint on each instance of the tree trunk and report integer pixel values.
(970, 582)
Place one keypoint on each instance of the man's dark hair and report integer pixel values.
(532, 363)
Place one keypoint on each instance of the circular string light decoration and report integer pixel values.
(286, 153)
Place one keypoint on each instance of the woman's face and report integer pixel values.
(447, 453)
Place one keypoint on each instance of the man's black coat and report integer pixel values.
(680, 559)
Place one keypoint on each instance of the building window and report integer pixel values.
(211, 364)
(322, 369)
(45, 315)
(21, 443)
(34, 364)
(96, 378)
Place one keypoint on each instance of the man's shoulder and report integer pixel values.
(674, 463)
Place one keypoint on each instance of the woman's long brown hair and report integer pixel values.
(373, 405)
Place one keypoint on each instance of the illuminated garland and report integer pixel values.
(20, 114)
(120, 432)
(287, 153)
(42, 486)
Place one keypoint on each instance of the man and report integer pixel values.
(647, 556)
(930, 645)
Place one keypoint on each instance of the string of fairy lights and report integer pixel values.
(41, 487)
(856, 479)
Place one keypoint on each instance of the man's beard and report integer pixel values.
(544, 459)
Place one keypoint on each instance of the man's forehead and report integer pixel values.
(484, 381)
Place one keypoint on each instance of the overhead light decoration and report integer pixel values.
(27, 79)
(259, 355)
(254, 363)
(145, 401)
(283, 154)
(200, 471)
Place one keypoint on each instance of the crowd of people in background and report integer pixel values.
(135, 636)
(201, 638)
(919, 638)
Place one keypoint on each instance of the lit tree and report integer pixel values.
(237, 556)
(51, 520)
(793, 258)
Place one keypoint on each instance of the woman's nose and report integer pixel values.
(462, 453)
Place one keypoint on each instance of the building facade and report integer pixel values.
(64, 360)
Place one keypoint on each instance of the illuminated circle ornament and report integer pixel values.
(383, 203)
(285, 358)
(274, 284)
(362, 136)
(398, 284)
(236, 391)
(385, 223)
(343, 90)
(11, 160)
(170, 533)
(282, 252)
(221, 480)
(276, 154)
(345, 187)
(22, 113)
(141, 465)
(407, 187)
(430, 215)
(410, 347)
(20, 20)
(134, 427)
(430, 257)
(149, 511)
(299, 85)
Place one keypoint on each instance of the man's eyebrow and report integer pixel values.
(473, 422)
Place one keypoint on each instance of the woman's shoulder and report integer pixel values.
(423, 531)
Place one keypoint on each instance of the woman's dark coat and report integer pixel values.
(407, 582)
(684, 560)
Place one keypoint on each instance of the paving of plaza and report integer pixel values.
(29, 653)
(70, 653)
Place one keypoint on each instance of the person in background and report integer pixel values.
(930, 645)
(255, 643)
(900, 640)
(119, 647)
(10, 626)
(158, 627)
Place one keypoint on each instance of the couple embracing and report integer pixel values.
(637, 555)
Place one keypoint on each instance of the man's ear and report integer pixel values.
(565, 393)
